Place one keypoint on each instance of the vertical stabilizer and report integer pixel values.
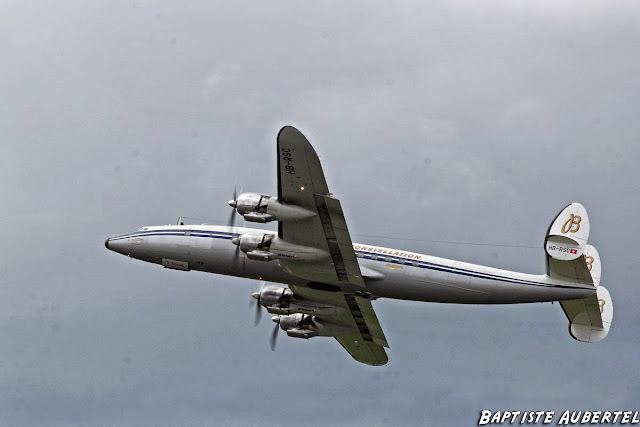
(566, 244)
(590, 318)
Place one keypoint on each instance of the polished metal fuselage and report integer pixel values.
(388, 273)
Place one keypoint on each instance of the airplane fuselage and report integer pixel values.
(388, 273)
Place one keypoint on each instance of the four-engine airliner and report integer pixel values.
(326, 283)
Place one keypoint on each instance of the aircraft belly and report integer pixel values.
(439, 285)
(434, 281)
(213, 255)
(435, 289)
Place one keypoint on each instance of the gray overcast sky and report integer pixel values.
(441, 121)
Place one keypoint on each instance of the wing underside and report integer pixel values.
(301, 183)
(354, 323)
(363, 351)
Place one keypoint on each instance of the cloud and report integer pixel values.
(437, 122)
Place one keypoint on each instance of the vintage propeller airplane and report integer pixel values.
(332, 281)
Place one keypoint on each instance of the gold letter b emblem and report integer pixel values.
(589, 260)
(572, 225)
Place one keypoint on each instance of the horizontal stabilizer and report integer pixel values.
(590, 318)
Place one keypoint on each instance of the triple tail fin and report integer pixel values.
(572, 260)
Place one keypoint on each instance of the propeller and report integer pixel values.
(236, 241)
(232, 223)
(233, 203)
(256, 296)
(274, 334)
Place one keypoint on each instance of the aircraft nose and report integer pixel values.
(106, 243)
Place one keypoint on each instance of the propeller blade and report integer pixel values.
(258, 314)
(233, 202)
(256, 299)
(274, 334)
(234, 263)
(232, 219)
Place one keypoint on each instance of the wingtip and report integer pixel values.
(290, 131)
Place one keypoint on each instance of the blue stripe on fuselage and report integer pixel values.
(373, 256)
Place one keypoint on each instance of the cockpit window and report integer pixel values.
(143, 229)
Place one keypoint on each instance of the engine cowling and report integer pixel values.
(272, 295)
(297, 325)
(255, 245)
(262, 208)
(280, 300)
(250, 202)
(267, 247)
(253, 241)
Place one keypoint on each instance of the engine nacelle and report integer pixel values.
(253, 242)
(297, 321)
(256, 207)
(256, 246)
(306, 326)
(274, 309)
(261, 256)
(304, 308)
(247, 202)
(272, 295)
(266, 247)
(301, 333)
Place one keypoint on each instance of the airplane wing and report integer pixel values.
(301, 182)
(335, 281)
(354, 324)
